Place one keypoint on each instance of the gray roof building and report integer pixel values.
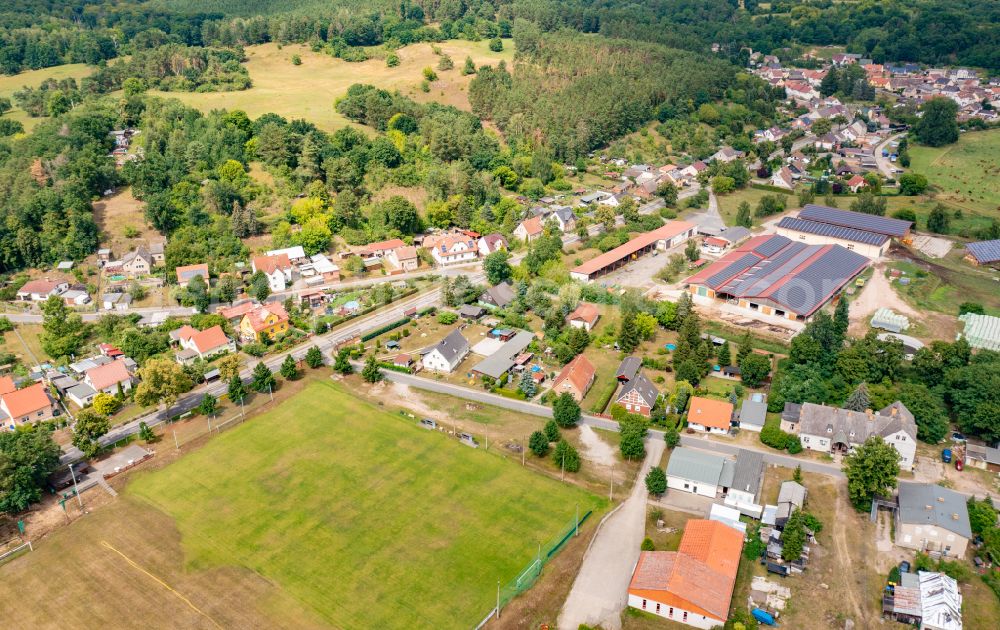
(833, 231)
(748, 472)
(791, 495)
(930, 504)
(501, 361)
(647, 391)
(453, 345)
(500, 295)
(734, 234)
(984, 252)
(847, 427)
(896, 228)
(753, 413)
(695, 465)
(628, 368)
(469, 311)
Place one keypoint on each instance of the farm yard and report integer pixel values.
(309, 90)
(307, 481)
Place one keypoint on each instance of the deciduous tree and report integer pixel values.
(656, 481)
(871, 469)
(565, 410)
(161, 380)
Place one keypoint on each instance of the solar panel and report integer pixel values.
(833, 231)
(770, 270)
(814, 284)
(856, 220)
(740, 264)
(772, 246)
(985, 251)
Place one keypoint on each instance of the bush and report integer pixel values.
(647, 545)
(447, 318)
(656, 481)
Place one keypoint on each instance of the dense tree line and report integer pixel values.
(568, 90)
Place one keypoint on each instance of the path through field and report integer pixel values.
(599, 594)
(843, 558)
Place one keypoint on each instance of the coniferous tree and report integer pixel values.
(859, 400)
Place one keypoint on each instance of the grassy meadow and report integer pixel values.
(10, 83)
(309, 91)
(324, 512)
(965, 172)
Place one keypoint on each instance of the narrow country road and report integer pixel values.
(600, 591)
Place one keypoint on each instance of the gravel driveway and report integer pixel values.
(600, 592)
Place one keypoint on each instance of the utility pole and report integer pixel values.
(577, 520)
(486, 430)
(498, 598)
(524, 447)
(176, 443)
(269, 391)
(611, 492)
(76, 488)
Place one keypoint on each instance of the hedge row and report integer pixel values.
(395, 368)
(605, 398)
(777, 189)
(384, 329)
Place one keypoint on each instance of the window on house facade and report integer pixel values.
(644, 604)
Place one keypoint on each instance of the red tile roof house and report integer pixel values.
(25, 406)
(638, 395)
(529, 229)
(585, 316)
(709, 415)
(187, 272)
(278, 270)
(202, 344)
(41, 290)
(856, 183)
(693, 585)
(235, 313)
(106, 378)
(575, 378)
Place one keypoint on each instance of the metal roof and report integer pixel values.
(857, 220)
(930, 504)
(753, 412)
(748, 472)
(628, 368)
(833, 231)
(665, 232)
(771, 246)
(498, 363)
(741, 264)
(985, 251)
(813, 285)
(695, 465)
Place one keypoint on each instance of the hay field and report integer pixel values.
(10, 83)
(965, 172)
(309, 91)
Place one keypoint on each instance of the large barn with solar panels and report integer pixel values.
(867, 234)
(774, 275)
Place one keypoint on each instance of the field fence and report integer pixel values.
(527, 577)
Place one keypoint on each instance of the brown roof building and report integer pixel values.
(575, 378)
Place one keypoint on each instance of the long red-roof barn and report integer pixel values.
(664, 237)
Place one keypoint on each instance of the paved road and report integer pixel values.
(600, 591)
(709, 218)
(91, 316)
(885, 165)
(326, 343)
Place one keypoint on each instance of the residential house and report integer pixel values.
(278, 270)
(295, 254)
(709, 415)
(563, 217)
(978, 455)
(490, 243)
(726, 154)
(830, 429)
(403, 258)
(137, 263)
(234, 314)
(76, 295)
(594, 197)
(693, 585)
(471, 312)
(584, 316)
(500, 295)
(529, 229)
(932, 518)
(108, 378)
(41, 290)
(575, 378)
(638, 395)
(80, 394)
(451, 249)
(783, 178)
(714, 245)
(380, 249)
(202, 344)
(693, 169)
(699, 472)
(753, 412)
(744, 489)
(186, 273)
(263, 319)
(855, 183)
(156, 250)
(322, 268)
(25, 406)
(447, 354)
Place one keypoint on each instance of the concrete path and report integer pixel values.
(709, 219)
(600, 592)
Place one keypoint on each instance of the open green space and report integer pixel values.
(10, 83)
(965, 172)
(729, 204)
(943, 284)
(309, 90)
(359, 515)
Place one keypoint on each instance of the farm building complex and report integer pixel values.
(983, 252)
(670, 235)
(893, 228)
(774, 275)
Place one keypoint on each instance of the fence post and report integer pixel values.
(176, 443)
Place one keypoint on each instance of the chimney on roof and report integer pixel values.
(894, 411)
(954, 516)
(870, 414)
(940, 499)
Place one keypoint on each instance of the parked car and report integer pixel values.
(427, 423)
(957, 437)
(468, 440)
(904, 566)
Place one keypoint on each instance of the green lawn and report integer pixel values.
(729, 204)
(359, 515)
(964, 172)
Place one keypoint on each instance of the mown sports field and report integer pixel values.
(324, 512)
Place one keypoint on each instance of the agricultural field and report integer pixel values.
(324, 512)
(309, 90)
(965, 172)
(33, 78)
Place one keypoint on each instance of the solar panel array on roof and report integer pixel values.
(741, 264)
(815, 283)
(985, 251)
(833, 231)
(856, 220)
(775, 269)
(772, 245)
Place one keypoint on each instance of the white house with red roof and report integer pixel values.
(25, 406)
(529, 229)
(41, 290)
(202, 344)
(489, 243)
(278, 270)
(453, 248)
(585, 316)
(856, 183)
(108, 377)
